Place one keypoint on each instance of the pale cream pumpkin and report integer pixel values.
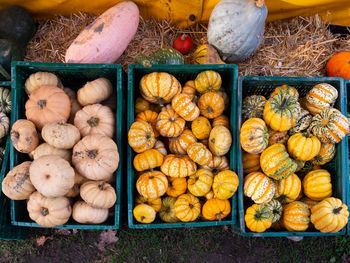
(98, 194)
(24, 136)
(47, 149)
(60, 135)
(94, 91)
(85, 214)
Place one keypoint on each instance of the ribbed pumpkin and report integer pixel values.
(180, 144)
(224, 95)
(309, 202)
(275, 209)
(208, 80)
(251, 162)
(144, 213)
(4, 124)
(5, 100)
(276, 163)
(286, 89)
(254, 136)
(98, 194)
(24, 136)
(222, 120)
(152, 184)
(330, 215)
(141, 105)
(38, 79)
(320, 97)
(150, 117)
(199, 153)
(217, 164)
(338, 65)
(206, 54)
(258, 218)
(209, 195)
(278, 137)
(211, 105)
(325, 155)
(303, 146)
(317, 184)
(225, 184)
(296, 216)
(302, 124)
(95, 91)
(155, 203)
(160, 147)
(201, 128)
(189, 89)
(187, 207)
(282, 112)
(177, 186)
(159, 87)
(170, 124)
(149, 159)
(253, 107)
(178, 165)
(220, 140)
(216, 209)
(200, 183)
(260, 188)
(300, 164)
(167, 211)
(288, 189)
(183, 106)
(330, 126)
(141, 136)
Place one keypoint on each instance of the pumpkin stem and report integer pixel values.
(143, 218)
(209, 109)
(151, 177)
(44, 211)
(337, 210)
(171, 119)
(259, 3)
(183, 37)
(42, 104)
(92, 154)
(191, 206)
(102, 186)
(284, 102)
(15, 134)
(160, 101)
(219, 216)
(93, 122)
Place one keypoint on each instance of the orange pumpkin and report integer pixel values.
(220, 140)
(201, 128)
(150, 117)
(296, 216)
(160, 147)
(183, 106)
(288, 189)
(189, 89)
(187, 207)
(46, 105)
(221, 120)
(208, 80)
(155, 203)
(170, 124)
(225, 184)
(149, 159)
(199, 153)
(200, 183)
(152, 184)
(180, 144)
(211, 105)
(178, 166)
(251, 162)
(217, 164)
(141, 105)
(338, 65)
(177, 186)
(254, 136)
(141, 136)
(259, 187)
(216, 209)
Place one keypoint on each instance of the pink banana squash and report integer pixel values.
(105, 39)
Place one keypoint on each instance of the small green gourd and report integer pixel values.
(161, 56)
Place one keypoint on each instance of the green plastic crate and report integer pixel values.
(183, 73)
(338, 167)
(73, 76)
(347, 88)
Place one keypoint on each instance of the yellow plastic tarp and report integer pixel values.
(188, 12)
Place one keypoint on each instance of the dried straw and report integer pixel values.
(296, 47)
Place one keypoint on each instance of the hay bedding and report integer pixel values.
(296, 47)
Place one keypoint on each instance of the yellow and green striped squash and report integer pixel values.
(288, 189)
(254, 135)
(286, 89)
(253, 107)
(317, 184)
(320, 97)
(325, 155)
(302, 124)
(303, 146)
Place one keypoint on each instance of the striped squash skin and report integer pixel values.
(199, 153)
(317, 184)
(5, 99)
(150, 117)
(159, 87)
(288, 189)
(320, 97)
(148, 159)
(330, 215)
(224, 95)
(141, 105)
(275, 208)
(152, 184)
(253, 107)
(296, 216)
(178, 166)
(201, 128)
(177, 186)
(286, 89)
(217, 164)
(141, 136)
(282, 112)
(207, 81)
(211, 105)
(330, 126)
(258, 218)
(187, 207)
(309, 202)
(225, 184)
(251, 162)
(303, 146)
(170, 124)
(216, 209)
(278, 137)
(183, 106)
(254, 136)
(180, 144)
(156, 203)
(220, 140)
(189, 89)
(325, 155)
(222, 120)
(276, 163)
(260, 188)
(160, 147)
(302, 124)
(200, 183)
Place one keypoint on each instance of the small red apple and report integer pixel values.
(183, 44)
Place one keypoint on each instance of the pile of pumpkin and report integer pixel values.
(283, 163)
(5, 110)
(180, 191)
(49, 182)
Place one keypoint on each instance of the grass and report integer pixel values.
(216, 244)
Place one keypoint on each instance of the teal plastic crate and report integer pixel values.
(338, 167)
(73, 76)
(347, 87)
(183, 73)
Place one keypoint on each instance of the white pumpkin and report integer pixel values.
(236, 28)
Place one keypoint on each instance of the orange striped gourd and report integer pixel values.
(211, 105)
(178, 166)
(160, 147)
(183, 106)
(254, 136)
(216, 209)
(187, 207)
(303, 146)
(199, 153)
(207, 81)
(320, 97)
(141, 105)
(288, 189)
(177, 186)
(260, 188)
(258, 218)
(225, 184)
(251, 162)
(170, 124)
(217, 164)
(180, 144)
(201, 128)
(325, 155)
(189, 89)
(296, 216)
(317, 184)
(220, 140)
(221, 120)
(200, 183)
(141, 136)
(152, 184)
(155, 203)
(150, 117)
(148, 159)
